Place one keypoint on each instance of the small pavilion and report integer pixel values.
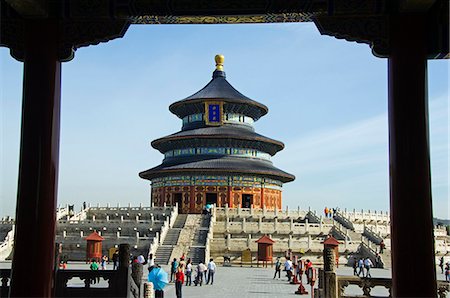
(94, 246)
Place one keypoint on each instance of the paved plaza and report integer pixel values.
(246, 282)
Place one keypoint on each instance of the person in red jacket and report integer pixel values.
(179, 280)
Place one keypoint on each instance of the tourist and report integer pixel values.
(300, 269)
(288, 268)
(141, 259)
(94, 267)
(188, 272)
(368, 264)
(326, 212)
(173, 269)
(179, 280)
(379, 261)
(441, 264)
(151, 261)
(182, 263)
(104, 260)
(115, 259)
(201, 268)
(136, 271)
(447, 272)
(308, 270)
(330, 213)
(361, 267)
(277, 268)
(382, 246)
(355, 266)
(211, 271)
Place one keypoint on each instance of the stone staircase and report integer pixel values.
(165, 250)
(198, 246)
(180, 221)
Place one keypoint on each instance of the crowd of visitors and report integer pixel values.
(181, 273)
(295, 267)
(330, 212)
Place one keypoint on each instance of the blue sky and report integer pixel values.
(327, 102)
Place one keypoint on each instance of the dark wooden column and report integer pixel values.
(413, 265)
(34, 247)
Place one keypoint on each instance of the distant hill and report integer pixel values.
(445, 222)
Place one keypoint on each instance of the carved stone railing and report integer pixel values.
(5, 278)
(340, 218)
(312, 217)
(367, 284)
(117, 283)
(6, 247)
(338, 233)
(443, 288)
(372, 236)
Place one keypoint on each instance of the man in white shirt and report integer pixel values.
(288, 268)
(211, 271)
(367, 264)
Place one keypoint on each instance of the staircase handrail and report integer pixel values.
(340, 232)
(372, 236)
(6, 247)
(173, 215)
(366, 250)
(62, 212)
(210, 235)
(164, 230)
(339, 217)
(312, 217)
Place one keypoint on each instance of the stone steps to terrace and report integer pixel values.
(165, 250)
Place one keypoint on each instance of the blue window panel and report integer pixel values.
(214, 113)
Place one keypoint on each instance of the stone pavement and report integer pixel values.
(245, 282)
(258, 282)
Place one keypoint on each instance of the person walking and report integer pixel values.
(277, 268)
(368, 264)
(288, 268)
(355, 266)
(326, 212)
(361, 267)
(179, 280)
(201, 268)
(441, 264)
(94, 267)
(182, 263)
(104, 260)
(308, 270)
(188, 272)
(382, 247)
(151, 261)
(447, 272)
(115, 259)
(211, 271)
(173, 269)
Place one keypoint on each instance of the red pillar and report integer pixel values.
(262, 197)
(192, 198)
(34, 242)
(230, 197)
(409, 162)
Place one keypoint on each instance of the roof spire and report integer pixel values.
(219, 61)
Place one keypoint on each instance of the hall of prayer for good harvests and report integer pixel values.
(217, 157)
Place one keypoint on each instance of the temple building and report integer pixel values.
(217, 157)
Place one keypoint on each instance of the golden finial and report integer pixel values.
(219, 62)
